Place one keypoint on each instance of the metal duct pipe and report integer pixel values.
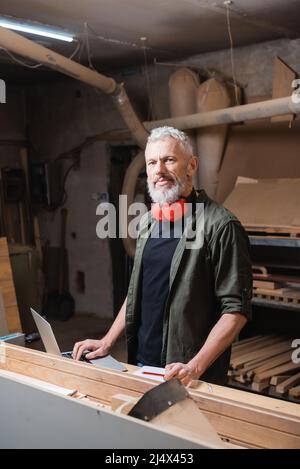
(183, 85)
(19, 45)
(211, 141)
(139, 133)
(231, 115)
(26, 48)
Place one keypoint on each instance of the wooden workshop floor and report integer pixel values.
(80, 327)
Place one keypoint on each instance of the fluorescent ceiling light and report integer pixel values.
(35, 30)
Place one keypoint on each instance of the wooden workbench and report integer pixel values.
(240, 418)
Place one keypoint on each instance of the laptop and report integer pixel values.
(51, 346)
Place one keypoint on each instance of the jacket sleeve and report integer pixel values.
(232, 270)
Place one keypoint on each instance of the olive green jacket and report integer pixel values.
(210, 275)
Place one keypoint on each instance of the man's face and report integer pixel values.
(169, 169)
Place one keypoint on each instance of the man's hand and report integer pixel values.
(186, 372)
(98, 348)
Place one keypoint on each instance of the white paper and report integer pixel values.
(144, 370)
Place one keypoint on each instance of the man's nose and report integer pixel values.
(160, 167)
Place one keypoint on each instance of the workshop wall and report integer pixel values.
(63, 114)
(13, 125)
(253, 64)
(12, 132)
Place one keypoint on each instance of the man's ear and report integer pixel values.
(192, 165)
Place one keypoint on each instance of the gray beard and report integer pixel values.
(166, 196)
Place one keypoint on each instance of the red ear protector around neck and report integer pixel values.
(169, 212)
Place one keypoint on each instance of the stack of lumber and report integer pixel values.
(7, 290)
(268, 364)
(276, 291)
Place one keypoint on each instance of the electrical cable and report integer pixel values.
(148, 82)
(227, 3)
(38, 65)
(18, 61)
(87, 45)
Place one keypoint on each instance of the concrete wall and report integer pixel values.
(253, 64)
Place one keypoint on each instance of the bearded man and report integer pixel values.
(185, 305)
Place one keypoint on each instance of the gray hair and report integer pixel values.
(163, 132)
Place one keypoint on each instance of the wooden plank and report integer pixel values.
(267, 285)
(90, 387)
(239, 415)
(278, 379)
(283, 231)
(13, 319)
(272, 362)
(3, 248)
(252, 434)
(3, 322)
(263, 353)
(246, 374)
(288, 383)
(295, 392)
(259, 377)
(255, 345)
(280, 292)
(251, 365)
(278, 278)
(8, 288)
(256, 356)
(283, 77)
(244, 398)
(9, 294)
(5, 270)
(78, 369)
(261, 386)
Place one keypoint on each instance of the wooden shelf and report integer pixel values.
(275, 304)
(274, 241)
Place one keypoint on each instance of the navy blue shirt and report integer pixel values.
(156, 264)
